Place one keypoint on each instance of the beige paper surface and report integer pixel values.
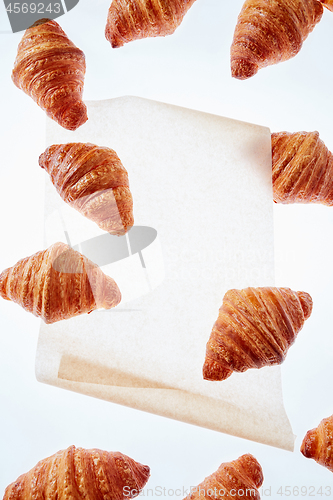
(201, 186)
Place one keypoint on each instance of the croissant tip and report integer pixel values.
(306, 303)
(214, 371)
(74, 116)
(309, 444)
(242, 69)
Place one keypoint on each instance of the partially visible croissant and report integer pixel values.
(58, 283)
(318, 443)
(236, 479)
(270, 31)
(50, 69)
(134, 19)
(77, 473)
(302, 169)
(328, 4)
(92, 180)
(255, 328)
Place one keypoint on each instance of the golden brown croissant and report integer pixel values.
(134, 19)
(93, 181)
(318, 443)
(81, 474)
(270, 31)
(58, 283)
(328, 4)
(50, 69)
(302, 169)
(255, 328)
(238, 479)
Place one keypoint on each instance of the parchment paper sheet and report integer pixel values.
(202, 194)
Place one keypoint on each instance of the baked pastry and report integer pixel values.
(318, 443)
(81, 474)
(58, 283)
(231, 480)
(255, 328)
(92, 180)
(50, 69)
(134, 19)
(271, 31)
(302, 169)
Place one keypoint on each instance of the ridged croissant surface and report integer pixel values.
(318, 443)
(238, 479)
(134, 19)
(81, 474)
(92, 180)
(50, 69)
(302, 169)
(271, 31)
(58, 283)
(255, 328)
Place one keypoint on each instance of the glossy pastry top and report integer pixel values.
(255, 328)
(302, 169)
(81, 474)
(231, 480)
(318, 443)
(50, 69)
(134, 19)
(268, 32)
(92, 180)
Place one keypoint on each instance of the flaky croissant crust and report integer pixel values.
(271, 31)
(318, 443)
(255, 328)
(231, 480)
(134, 19)
(50, 69)
(81, 474)
(92, 180)
(58, 283)
(302, 168)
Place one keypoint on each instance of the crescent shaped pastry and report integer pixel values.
(271, 31)
(318, 443)
(81, 474)
(255, 328)
(328, 4)
(237, 479)
(58, 283)
(302, 169)
(134, 19)
(50, 69)
(92, 180)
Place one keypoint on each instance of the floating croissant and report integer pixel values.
(237, 479)
(50, 69)
(58, 283)
(81, 474)
(134, 19)
(302, 169)
(318, 443)
(255, 328)
(93, 181)
(271, 31)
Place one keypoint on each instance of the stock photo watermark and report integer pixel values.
(24, 14)
(217, 493)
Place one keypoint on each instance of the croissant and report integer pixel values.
(255, 328)
(270, 31)
(50, 69)
(134, 19)
(81, 474)
(302, 169)
(58, 283)
(328, 4)
(237, 479)
(92, 180)
(318, 443)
